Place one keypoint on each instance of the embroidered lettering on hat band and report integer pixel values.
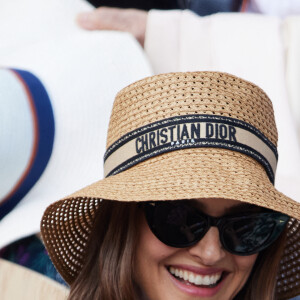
(190, 131)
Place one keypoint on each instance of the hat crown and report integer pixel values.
(177, 94)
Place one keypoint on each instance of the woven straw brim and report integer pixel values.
(181, 174)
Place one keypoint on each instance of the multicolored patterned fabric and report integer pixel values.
(31, 253)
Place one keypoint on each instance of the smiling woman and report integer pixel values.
(202, 260)
(194, 214)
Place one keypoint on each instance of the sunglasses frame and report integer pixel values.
(278, 218)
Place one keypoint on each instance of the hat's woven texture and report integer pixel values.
(169, 95)
(182, 174)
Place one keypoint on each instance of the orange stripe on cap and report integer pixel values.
(35, 137)
(43, 139)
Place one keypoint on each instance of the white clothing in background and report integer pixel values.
(82, 72)
(291, 31)
(280, 8)
(247, 45)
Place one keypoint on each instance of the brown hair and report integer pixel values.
(108, 270)
(261, 284)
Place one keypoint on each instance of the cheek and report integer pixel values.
(244, 265)
(241, 267)
(150, 263)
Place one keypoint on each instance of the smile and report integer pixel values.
(196, 279)
(198, 282)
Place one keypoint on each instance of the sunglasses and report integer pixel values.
(177, 224)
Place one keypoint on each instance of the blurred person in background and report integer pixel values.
(181, 32)
(57, 83)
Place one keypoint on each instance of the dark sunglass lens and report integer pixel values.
(251, 234)
(175, 224)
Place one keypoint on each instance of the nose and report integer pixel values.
(209, 249)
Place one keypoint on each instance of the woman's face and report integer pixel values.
(206, 260)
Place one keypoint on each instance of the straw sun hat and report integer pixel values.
(181, 136)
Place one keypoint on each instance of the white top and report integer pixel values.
(281, 8)
(250, 46)
(82, 72)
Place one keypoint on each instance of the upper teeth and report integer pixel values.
(195, 278)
